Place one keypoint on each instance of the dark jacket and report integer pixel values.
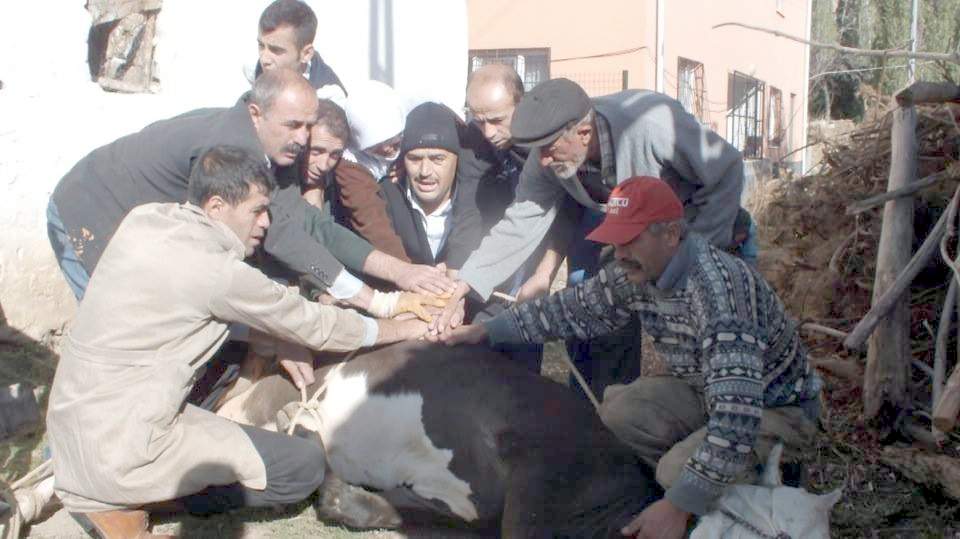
(318, 73)
(474, 165)
(354, 199)
(154, 165)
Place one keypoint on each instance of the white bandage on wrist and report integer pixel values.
(384, 304)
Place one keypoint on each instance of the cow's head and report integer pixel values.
(771, 507)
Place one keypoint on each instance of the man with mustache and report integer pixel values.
(273, 120)
(583, 148)
(739, 376)
(159, 305)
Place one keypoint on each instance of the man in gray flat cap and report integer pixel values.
(586, 147)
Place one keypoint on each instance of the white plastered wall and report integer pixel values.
(51, 114)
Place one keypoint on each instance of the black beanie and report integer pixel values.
(430, 125)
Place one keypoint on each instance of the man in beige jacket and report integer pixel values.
(167, 287)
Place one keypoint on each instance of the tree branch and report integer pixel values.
(891, 53)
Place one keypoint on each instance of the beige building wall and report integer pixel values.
(610, 36)
(776, 62)
(573, 29)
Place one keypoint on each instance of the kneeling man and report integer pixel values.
(740, 377)
(157, 309)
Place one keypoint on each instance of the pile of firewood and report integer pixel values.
(865, 252)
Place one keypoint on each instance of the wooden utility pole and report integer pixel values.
(888, 353)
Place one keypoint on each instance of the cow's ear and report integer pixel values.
(771, 473)
(828, 500)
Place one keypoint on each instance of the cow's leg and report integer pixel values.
(338, 501)
(526, 501)
(353, 506)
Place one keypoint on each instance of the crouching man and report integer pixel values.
(740, 377)
(156, 310)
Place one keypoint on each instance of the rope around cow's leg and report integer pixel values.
(312, 405)
(16, 520)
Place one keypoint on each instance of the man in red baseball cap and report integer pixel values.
(740, 378)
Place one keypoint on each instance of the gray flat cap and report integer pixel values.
(547, 110)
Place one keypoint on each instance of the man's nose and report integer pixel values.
(489, 131)
(264, 221)
(545, 159)
(302, 135)
(426, 169)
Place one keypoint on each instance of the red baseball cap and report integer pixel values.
(632, 206)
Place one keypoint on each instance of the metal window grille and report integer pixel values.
(533, 65)
(745, 114)
(690, 91)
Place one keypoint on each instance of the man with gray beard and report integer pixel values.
(585, 147)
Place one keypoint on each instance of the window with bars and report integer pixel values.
(745, 114)
(533, 65)
(690, 86)
(774, 117)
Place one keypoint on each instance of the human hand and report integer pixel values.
(537, 285)
(661, 520)
(425, 279)
(453, 312)
(297, 361)
(468, 334)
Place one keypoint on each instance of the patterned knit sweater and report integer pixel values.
(717, 324)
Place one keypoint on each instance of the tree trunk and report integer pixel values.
(888, 354)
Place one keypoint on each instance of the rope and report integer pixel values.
(311, 406)
(573, 368)
(16, 520)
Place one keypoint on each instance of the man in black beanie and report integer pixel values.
(422, 204)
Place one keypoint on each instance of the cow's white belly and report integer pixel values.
(381, 442)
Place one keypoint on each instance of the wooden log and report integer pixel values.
(927, 92)
(882, 306)
(950, 173)
(849, 370)
(888, 352)
(929, 469)
(943, 335)
(948, 407)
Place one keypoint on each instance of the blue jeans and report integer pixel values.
(70, 264)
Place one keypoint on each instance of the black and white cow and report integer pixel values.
(463, 435)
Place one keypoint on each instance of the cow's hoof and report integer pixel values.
(354, 507)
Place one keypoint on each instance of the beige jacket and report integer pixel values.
(156, 310)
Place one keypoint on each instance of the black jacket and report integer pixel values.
(153, 165)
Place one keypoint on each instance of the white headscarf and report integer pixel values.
(376, 113)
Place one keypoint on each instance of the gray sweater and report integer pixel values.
(651, 135)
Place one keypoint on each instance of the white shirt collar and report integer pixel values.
(435, 224)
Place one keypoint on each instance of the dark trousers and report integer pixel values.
(295, 466)
(610, 359)
(295, 469)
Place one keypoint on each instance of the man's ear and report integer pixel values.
(675, 232)
(306, 53)
(214, 207)
(256, 114)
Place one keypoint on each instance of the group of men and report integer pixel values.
(187, 234)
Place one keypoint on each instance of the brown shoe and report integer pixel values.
(122, 524)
